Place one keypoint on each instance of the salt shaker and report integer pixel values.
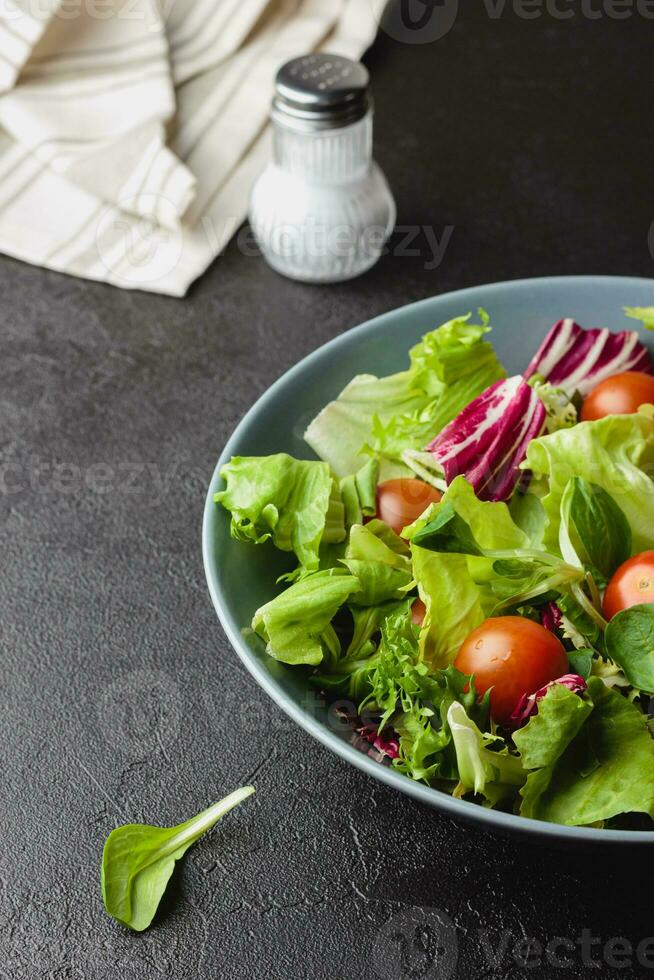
(322, 210)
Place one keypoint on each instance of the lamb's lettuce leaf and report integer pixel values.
(587, 766)
(293, 501)
(594, 532)
(615, 453)
(138, 860)
(630, 644)
(386, 416)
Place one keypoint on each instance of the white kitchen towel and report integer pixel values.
(131, 131)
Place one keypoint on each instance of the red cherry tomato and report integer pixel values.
(631, 585)
(418, 612)
(513, 656)
(401, 502)
(622, 394)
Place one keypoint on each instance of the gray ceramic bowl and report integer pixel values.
(241, 579)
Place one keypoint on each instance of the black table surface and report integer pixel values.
(122, 700)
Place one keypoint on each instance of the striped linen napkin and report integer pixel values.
(131, 131)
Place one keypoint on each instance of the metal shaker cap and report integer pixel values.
(321, 91)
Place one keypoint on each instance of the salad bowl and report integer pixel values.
(522, 312)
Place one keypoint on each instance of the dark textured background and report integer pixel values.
(122, 701)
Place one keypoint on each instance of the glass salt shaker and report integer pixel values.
(322, 210)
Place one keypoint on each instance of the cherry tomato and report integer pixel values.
(401, 502)
(513, 656)
(632, 584)
(622, 394)
(418, 612)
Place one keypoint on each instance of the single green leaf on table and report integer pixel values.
(594, 531)
(630, 644)
(295, 502)
(643, 313)
(138, 860)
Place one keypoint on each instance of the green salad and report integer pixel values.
(473, 568)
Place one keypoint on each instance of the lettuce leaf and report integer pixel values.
(379, 559)
(296, 625)
(588, 763)
(615, 453)
(469, 559)
(455, 602)
(386, 416)
(295, 502)
(492, 773)
(546, 736)
(359, 493)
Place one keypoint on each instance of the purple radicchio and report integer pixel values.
(387, 744)
(528, 703)
(577, 360)
(488, 440)
(551, 617)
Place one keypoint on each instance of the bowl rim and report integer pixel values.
(464, 810)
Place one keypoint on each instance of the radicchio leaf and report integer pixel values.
(551, 617)
(528, 703)
(488, 440)
(577, 360)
